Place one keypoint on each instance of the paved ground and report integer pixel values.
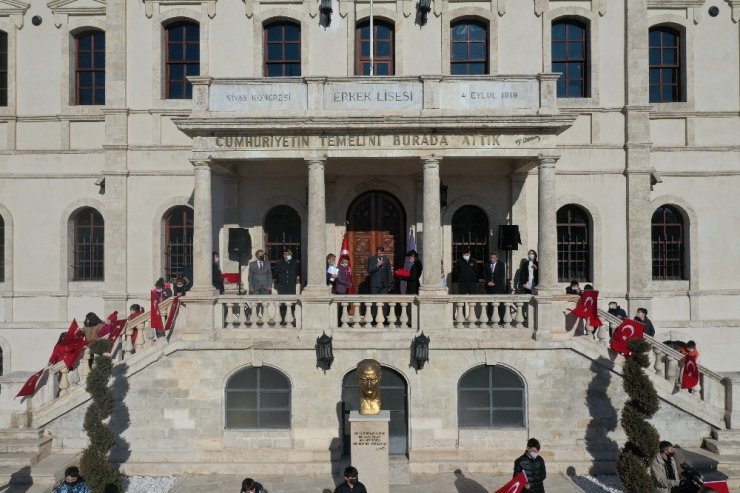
(435, 483)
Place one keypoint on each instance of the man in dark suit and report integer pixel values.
(495, 283)
(286, 276)
(465, 274)
(379, 269)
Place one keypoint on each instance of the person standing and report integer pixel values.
(528, 275)
(249, 485)
(379, 269)
(343, 280)
(663, 469)
(533, 466)
(641, 316)
(414, 280)
(495, 284)
(216, 278)
(350, 484)
(331, 270)
(259, 274)
(286, 276)
(465, 274)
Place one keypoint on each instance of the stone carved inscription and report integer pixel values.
(349, 96)
(378, 439)
(376, 141)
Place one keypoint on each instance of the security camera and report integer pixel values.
(100, 181)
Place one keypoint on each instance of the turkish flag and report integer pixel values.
(74, 352)
(345, 254)
(516, 485)
(71, 333)
(29, 388)
(690, 375)
(719, 486)
(587, 308)
(156, 322)
(627, 330)
(116, 329)
(172, 313)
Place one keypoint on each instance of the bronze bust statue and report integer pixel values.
(368, 376)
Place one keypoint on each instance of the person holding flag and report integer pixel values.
(588, 309)
(627, 330)
(345, 254)
(533, 466)
(690, 373)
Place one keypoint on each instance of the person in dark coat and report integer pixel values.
(465, 274)
(533, 466)
(379, 270)
(528, 275)
(414, 280)
(343, 280)
(642, 317)
(350, 483)
(216, 278)
(495, 277)
(249, 485)
(286, 274)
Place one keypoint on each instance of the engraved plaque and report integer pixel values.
(258, 97)
(484, 95)
(373, 96)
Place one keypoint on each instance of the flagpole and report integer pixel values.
(372, 43)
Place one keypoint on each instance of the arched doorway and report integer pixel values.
(375, 218)
(394, 396)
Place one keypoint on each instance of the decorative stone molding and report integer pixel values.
(62, 9)
(675, 4)
(151, 5)
(539, 7)
(735, 9)
(15, 10)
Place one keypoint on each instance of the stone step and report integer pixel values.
(48, 471)
(18, 460)
(722, 447)
(733, 435)
(40, 445)
(398, 470)
(20, 433)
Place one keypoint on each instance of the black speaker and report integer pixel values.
(240, 241)
(508, 237)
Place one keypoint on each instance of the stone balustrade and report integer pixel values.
(374, 310)
(249, 312)
(484, 311)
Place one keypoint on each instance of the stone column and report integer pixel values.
(202, 230)
(432, 246)
(547, 225)
(315, 270)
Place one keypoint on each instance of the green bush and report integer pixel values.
(100, 475)
(642, 437)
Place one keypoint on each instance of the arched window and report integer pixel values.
(574, 247)
(2, 249)
(668, 243)
(258, 398)
(282, 232)
(282, 49)
(182, 58)
(88, 237)
(90, 67)
(3, 68)
(490, 397)
(666, 72)
(178, 240)
(468, 47)
(470, 230)
(384, 62)
(570, 57)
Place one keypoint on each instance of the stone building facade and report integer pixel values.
(261, 115)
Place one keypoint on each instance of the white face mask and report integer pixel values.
(288, 258)
(531, 257)
(534, 455)
(466, 257)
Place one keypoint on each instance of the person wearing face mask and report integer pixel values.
(663, 469)
(533, 466)
(528, 275)
(73, 482)
(465, 274)
(182, 285)
(350, 483)
(260, 274)
(286, 276)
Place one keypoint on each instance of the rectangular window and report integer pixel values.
(384, 53)
(90, 68)
(282, 50)
(665, 65)
(570, 58)
(182, 59)
(3, 68)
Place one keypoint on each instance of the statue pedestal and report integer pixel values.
(369, 439)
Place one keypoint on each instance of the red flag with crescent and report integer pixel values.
(516, 485)
(690, 375)
(29, 388)
(172, 314)
(588, 308)
(627, 330)
(344, 253)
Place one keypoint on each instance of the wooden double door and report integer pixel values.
(374, 219)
